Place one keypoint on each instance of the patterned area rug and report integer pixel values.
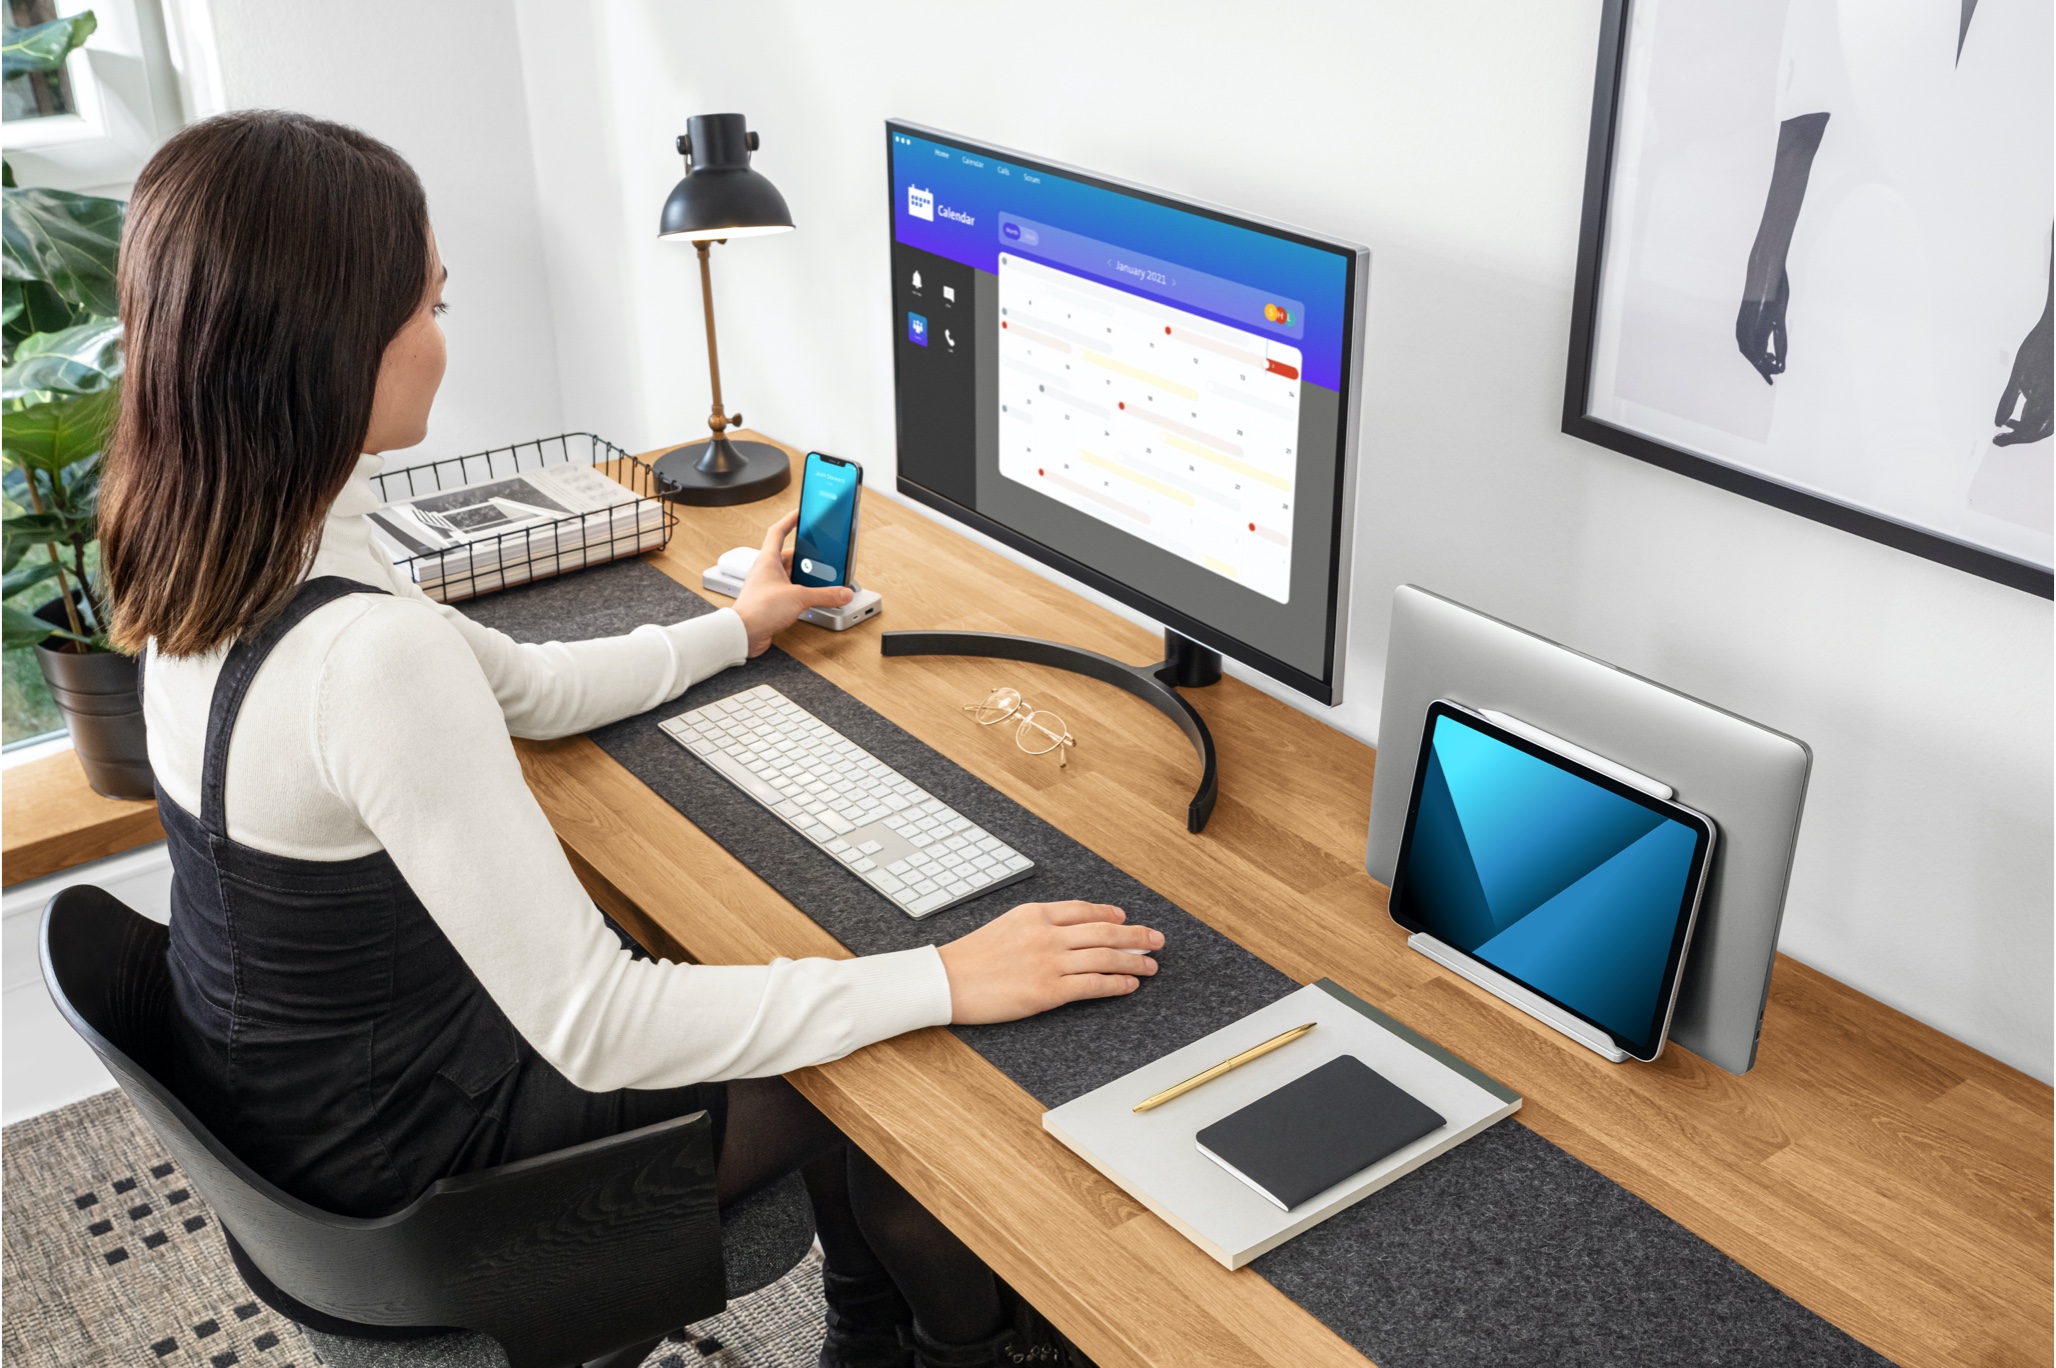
(107, 1258)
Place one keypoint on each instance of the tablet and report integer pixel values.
(1578, 885)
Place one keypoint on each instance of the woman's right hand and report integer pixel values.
(770, 602)
(1043, 955)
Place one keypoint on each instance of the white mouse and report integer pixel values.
(736, 564)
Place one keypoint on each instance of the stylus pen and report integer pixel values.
(1253, 1052)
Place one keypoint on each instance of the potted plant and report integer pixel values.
(58, 396)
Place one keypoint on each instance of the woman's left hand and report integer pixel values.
(770, 602)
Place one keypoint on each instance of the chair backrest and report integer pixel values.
(560, 1258)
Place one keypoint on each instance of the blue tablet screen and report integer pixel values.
(1570, 888)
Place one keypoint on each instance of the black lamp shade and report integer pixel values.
(720, 196)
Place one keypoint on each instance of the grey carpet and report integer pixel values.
(1506, 1250)
(108, 1258)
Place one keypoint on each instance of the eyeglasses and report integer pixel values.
(1040, 731)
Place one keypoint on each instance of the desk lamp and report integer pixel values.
(721, 198)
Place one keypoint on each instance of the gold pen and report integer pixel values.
(1254, 1052)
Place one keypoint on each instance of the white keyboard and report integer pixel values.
(910, 846)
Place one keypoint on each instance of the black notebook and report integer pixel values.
(1296, 1143)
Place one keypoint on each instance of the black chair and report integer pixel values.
(589, 1254)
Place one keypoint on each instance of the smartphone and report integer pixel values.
(826, 544)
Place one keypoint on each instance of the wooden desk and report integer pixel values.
(1893, 1180)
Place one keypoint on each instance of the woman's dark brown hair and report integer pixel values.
(268, 260)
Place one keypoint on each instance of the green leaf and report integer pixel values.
(82, 498)
(35, 529)
(62, 431)
(81, 360)
(28, 577)
(22, 628)
(44, 46)
(42, 310)
(61, 247)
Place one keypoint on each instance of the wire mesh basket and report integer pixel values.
(439, 520)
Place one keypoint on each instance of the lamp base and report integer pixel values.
(721, 471)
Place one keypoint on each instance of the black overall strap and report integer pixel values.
(245, 658)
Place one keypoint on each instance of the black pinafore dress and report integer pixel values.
(325, 1028)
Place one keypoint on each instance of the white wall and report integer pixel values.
(1451, 139)
(43, 1062)
(442, 83)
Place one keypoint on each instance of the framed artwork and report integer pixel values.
(1815, 265)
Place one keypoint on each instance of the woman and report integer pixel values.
(385, 971)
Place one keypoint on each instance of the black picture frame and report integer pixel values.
(1577, 421)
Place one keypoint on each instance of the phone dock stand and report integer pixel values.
(865, 604)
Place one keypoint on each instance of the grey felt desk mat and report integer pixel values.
(1505, 1250)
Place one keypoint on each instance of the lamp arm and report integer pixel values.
(719, 420)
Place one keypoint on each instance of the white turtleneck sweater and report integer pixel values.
(386, 723)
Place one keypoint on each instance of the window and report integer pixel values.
(38, 94)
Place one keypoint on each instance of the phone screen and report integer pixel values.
(828, 521)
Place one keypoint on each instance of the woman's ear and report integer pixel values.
(409, 374)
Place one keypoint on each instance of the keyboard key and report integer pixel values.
(862, 866)
(928, 904)
(885, 882)
(749, 783)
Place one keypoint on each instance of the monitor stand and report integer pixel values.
(1186, 665)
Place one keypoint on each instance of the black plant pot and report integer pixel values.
(103, 710)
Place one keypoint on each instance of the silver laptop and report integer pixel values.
(1749, 779)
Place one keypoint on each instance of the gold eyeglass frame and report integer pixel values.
(1003, 704)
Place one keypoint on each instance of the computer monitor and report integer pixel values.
(1152, 395)
(1749, 779)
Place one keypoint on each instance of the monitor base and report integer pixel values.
(1186, 664)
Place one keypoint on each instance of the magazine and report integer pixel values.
(507, 530)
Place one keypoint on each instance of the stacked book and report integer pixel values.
(500, 532)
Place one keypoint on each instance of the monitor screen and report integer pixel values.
(1154, 396)
(1573, 885)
